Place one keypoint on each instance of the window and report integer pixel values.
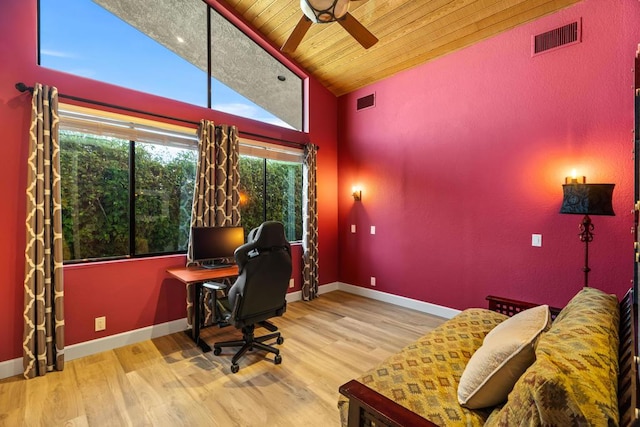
(271, 180)
(127, 188)
(127, 185)
(95, 207)
(82, 38)
(239, 65)
(159, 48)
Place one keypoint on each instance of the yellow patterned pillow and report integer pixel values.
(507, 351)
(574, 379)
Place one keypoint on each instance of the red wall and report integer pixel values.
(134, 293)
(462, 159)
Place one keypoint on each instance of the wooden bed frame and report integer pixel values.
(368, 408)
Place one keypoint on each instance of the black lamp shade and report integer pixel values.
(587, 199)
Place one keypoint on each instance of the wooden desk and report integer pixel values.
(196, 276)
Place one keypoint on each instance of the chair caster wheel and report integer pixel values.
(278, 359)
(280, 340)
(235, 368)
(217, 351)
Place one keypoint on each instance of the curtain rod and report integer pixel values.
(24, 88)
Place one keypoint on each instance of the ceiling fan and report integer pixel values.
(324, 12)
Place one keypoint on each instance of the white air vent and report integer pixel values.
(368, 101)
(559, 37)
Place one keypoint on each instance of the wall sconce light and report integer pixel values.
(356, 192)
(586, 199)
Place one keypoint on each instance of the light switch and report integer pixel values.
(353, 228)
(373, 229)
(536, 240)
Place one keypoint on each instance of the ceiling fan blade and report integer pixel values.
(296, 35)
(358, 31)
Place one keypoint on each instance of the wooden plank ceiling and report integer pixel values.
(411, 32)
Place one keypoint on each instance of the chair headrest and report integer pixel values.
(269, 234)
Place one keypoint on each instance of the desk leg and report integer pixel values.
(195, 325)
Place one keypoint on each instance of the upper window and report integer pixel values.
(159, 48)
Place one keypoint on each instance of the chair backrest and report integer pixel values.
(264, 264)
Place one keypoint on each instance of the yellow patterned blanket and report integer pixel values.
(424, 376)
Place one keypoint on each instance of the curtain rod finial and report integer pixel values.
(22, 87)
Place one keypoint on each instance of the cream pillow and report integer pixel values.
(506, 352)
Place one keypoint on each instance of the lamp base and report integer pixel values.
(586, 236)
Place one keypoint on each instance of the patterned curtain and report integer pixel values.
(310, 226)
(43, 343)
(216, 198)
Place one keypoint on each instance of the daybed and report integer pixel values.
(582, 370)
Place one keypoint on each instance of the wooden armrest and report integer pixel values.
(628, 381)
(368, 407)
(510, 307)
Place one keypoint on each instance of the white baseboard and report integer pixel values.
(297, 295)
(425, 307)
(87, 348)
(11, 368)
(14, 367)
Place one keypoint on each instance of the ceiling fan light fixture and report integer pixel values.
(323, 11)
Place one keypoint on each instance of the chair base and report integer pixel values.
(249, 341)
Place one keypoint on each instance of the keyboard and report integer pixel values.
(214, 266)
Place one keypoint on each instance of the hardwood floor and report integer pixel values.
(168, 381)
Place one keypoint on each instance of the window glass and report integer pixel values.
(248, 81)
(164, 182)
(251, 192)
(284, 201)
(82, 38)
(160, 47)
(271, 187)
(95, 196)
(127, 188)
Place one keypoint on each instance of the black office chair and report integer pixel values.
(259, 292)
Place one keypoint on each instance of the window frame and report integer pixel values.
(144, 131)
(268, 151)
(135, 130)
(252, 98)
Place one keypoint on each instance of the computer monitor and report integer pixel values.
(212, 244)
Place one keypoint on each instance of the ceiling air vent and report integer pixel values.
(551, 40)
(366, 102)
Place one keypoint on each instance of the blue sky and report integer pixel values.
(81, 38)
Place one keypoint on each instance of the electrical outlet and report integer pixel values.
(291, 282)
(101, 323)
(373, 281)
